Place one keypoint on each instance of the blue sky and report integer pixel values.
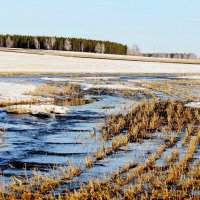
(155, 25)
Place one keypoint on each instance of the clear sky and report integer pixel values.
(155, 25)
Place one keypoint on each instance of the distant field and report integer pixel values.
(102, 56)
(22, 61)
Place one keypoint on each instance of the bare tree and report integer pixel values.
(185, 56)
(9, 42)
(193, 56)
(67, 45)
(98, 48)
(52, 42)
(47, 44)
(28, 44)
(36, 43)
(103, 48)
(134, 50)
(82, 47)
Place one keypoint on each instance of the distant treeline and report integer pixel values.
(171, 55)
(135, 51)
(63, 44)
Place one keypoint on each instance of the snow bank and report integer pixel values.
(193, 104)
(101, 78)
(87, 86)
(12, 93)
(34, 109)
(62, 79)
(81, 79)
(189, 77)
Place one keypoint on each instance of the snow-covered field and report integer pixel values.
(11, 62)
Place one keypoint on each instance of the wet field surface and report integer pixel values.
(31, 142)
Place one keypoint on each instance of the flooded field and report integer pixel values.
(81, 126)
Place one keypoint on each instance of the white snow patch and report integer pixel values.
(33, 109)
(81, 79)
(62, 79)
(87, 86)
(136, 80)
(190, 77)
(15, 92)
(101, 78)
(193, 104)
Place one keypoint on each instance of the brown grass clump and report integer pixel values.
(89, 162)
(172, 141)
(150, 117)
(178, 88)
(99, 155)
(24, 102)
(132, 94)
(74, 171)
(189, 132)
(53, 90)
(63, 94)
(173, 157)
(119, 142)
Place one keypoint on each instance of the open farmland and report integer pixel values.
(83, 128)
(40, 61)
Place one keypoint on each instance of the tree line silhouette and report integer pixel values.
(135, 51)
(63, 44)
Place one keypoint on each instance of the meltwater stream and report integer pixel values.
(33, 142)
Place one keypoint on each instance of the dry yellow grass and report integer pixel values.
(89, 162)
(70, 94)
(99, 155)
(129, 93)
(179, 88)
(54, 90)
(150, 117)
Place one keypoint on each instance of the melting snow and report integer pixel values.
(34, 109)
(190, 77)
(87, 86)
(193, 104)
(15, 93)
